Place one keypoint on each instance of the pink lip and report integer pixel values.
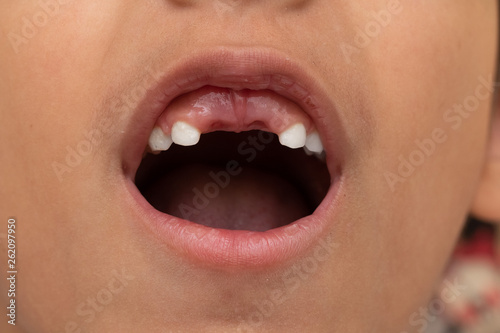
(238, 69)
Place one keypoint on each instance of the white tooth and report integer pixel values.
(184, 134)
(159, 141)
(313, 143)
(294, 136)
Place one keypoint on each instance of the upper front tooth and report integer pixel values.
(159, 141)
(313, 143)
(184, 134)
(294, 136)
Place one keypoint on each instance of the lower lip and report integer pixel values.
(221, 248)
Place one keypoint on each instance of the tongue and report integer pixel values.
(252, 200)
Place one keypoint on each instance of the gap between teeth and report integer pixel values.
(186, 135)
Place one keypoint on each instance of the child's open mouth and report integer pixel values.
(241, 168)
(238, 176)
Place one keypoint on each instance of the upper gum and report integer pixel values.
(232, 110)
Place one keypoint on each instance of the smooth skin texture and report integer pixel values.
(391, 243)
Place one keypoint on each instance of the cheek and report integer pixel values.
(426, 91)
(431, 98)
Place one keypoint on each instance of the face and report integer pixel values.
(352, 240)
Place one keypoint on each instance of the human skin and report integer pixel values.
(391, 242)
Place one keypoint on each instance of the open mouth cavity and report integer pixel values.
(239, 160)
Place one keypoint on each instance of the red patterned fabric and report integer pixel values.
(475, 266)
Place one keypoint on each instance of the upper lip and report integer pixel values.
(237, 68)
